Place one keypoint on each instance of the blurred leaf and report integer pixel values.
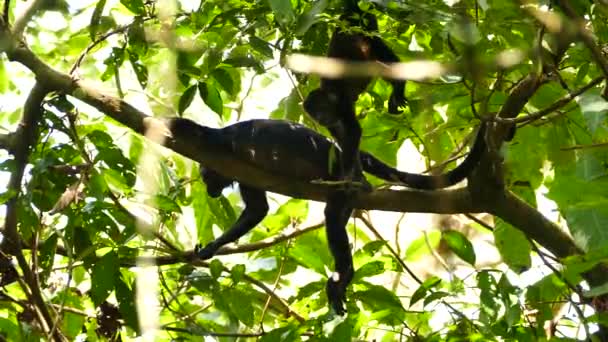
(460, 245)
(261, 46)
(96, 17)
(424, 288)
(237, 272)
(283, 11)
(103, 277)
(125, 295)
(135, 6)
(222, 76)
(370, 269)
(216, 268)
(186, 99)
(513, 246)
(294, 210)
(242, 309)
(211, 97)
(378, 297)
(420, 247)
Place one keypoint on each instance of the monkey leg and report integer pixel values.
(348, 137)
(337, 213)
(214, 181)
(256, 208)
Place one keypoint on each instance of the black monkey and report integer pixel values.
(295, 151)
(333, 103)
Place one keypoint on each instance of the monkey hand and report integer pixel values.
(355, 181)
(207, 252)
(336, 295)
(396, 100)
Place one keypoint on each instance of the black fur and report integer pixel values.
(291, 149)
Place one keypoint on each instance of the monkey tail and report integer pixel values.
(428, 182)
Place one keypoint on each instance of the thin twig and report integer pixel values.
(555, 106)
(397, 257)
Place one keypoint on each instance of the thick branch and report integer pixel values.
(585, 35)
(536, 226)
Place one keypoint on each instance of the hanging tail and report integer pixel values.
(379, 169)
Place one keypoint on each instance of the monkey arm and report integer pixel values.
(256, 208)
(385, 54)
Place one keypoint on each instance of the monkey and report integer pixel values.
(298, 152)
(333, 103)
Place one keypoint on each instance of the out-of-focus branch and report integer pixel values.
(585, 35)
(415, 70)
(24, 17)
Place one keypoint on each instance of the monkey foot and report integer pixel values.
(356, 183)
(336, 296)
(204, 253)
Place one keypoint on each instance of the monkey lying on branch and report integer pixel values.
(277, 145)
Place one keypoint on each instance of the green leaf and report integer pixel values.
(103, 277)
(10, 330)
(222, 76)
(460, 245)
(289, 333)
(7, 195)
(186, 99)
(422, 290)
(513, 246)
(141, 72)
(370, 269)
(310, 17)
(211, 97)
(125, 295)
(223, 213)
(203, 281)
(95, 18)
(343, 331)
(437, 295)
(135, 6)
(237, 272)
(283, 11)
(311, 252)
(261, 46)
(245, 62)
(420, 247)
(240, 307)
(379, 298)
(294, 210)
(166, 204)
(71, 323)
(47, 251)
(216, 268)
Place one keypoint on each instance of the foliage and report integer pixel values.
(93, 199)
